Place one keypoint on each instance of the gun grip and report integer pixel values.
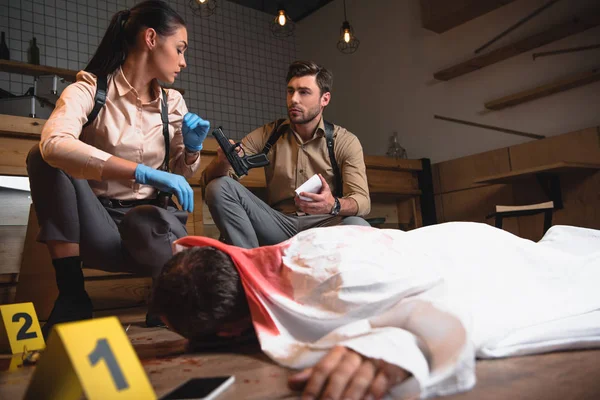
(257, 160)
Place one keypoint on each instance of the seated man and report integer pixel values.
(368, 311)
(297, 148)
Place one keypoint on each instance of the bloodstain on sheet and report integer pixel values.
(246, 380)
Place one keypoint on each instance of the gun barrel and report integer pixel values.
(221, 139)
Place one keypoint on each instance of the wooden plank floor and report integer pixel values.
(168, 362)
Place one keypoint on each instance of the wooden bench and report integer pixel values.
(397, 192)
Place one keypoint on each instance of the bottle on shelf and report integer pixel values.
(394, 148)
(4, 52)
(33, 53)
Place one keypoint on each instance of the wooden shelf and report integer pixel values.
(399, 193)
(441, 15)
(561, 166)
(17, 67)
(21, 127)
(559, 85)
(383, 162)
(577, 25)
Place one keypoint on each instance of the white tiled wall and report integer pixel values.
(236, 68)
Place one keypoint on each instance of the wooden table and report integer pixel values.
(547, 176)
(562, 166)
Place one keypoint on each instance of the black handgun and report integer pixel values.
(240, 164)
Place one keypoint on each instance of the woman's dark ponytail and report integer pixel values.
(122, 31)
(111, 52)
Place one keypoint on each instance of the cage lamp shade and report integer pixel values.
(203, 8)
(282, 25)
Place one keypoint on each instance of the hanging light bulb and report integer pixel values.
(282, 25)
(203, 8)
(348, 43)
(281, 19)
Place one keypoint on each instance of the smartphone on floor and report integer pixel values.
(200, 388)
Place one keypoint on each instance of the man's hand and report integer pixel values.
(321, 203)
(220, 165)
(222, 159)
(345, 374)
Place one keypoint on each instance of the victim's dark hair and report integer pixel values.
(123, 29)
(323, 76)
(198, 290)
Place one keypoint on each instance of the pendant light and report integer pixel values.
(203, 8)
(282, 25)
(348, 43)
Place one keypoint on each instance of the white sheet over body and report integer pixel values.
(512, 295)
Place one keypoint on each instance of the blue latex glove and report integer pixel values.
(194, 131)
(167, 182)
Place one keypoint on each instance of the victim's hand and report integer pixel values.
(321, 203)
(346, 374)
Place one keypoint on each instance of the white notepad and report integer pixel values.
(313, 185)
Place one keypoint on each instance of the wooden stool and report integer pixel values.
(517, 211)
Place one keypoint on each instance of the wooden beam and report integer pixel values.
(490, 127)
(17, 67)
(441, 15)
(514, 26)
(564, 51)
(561, 166)
(557, 32)
(556, 86)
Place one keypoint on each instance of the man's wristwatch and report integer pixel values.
(335, 210)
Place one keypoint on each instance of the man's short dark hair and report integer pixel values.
(303, 68)
(198, 290)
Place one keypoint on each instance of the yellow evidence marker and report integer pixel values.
(92, 357)
(20, 328)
